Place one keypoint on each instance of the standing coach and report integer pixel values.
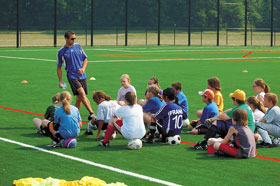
(73, 57)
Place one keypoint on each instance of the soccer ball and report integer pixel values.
(186, 122)
(173, 140)
(69, 143)
(134, 144)
(113, 135)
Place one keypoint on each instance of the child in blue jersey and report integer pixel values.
(209, 111)
(169, 117)
(67, 121)
(182, 101)
(152, 81)
(152, 106)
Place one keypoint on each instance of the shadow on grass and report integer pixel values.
(203, 155)
(16, 128)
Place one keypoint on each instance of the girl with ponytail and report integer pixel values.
(257, 107)
(131, 125)
(261, 88)
(67, 121)
(258, 112)
(106, 109)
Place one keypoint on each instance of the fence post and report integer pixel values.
(146, 36)
(174, 34)
(91, 24)
(201, 36)
(251, 36)
(218, 22)
(17, 15)
(86, 36)
(54, 25)
(117, 36)
(271, 24)
(226, 36)
(246, 21)
(189, 24)
(126, 14)
(158, 22)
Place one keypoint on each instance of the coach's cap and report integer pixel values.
(238, 94)
(208, 93)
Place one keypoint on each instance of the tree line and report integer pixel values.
(141, 13)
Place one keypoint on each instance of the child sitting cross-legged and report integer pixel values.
(243, 144)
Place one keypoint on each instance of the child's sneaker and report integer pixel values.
(199, 146)
(54, 144)
(148, 140)
(106, 144)
(265, 145)
(88, 132)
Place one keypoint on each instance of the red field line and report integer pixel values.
(26, 112)
(183, 142)
(247, 54)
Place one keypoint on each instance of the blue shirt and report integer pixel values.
(72, 58)
(209, 111)
(153, 105)
(171, 115)
(183, 102)
(69, 126)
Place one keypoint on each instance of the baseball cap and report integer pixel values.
(208, 93)
(238, 94)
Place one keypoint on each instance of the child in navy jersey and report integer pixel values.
(170, 115)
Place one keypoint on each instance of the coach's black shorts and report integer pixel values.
(76, 84)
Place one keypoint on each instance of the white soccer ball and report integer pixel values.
(173, 140)
(134, 144)
(113, 135)
(186, 122)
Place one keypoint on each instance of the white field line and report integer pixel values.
(138, 50)
(135, 60)
(92, 163)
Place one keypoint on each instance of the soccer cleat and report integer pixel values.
(88, 132)
(160, 140)
(266, 145)
(54, 144)
(208, 122)
(148, 140)
(94, 127)
(106, 144)
(199, 146)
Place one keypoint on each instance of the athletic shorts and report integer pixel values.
(53, 128)
(223, 127)
(96, 123)
(78, 83)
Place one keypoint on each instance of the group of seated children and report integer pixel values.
(254, 119)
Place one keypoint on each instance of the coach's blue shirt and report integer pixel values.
(69, 126)
(171, 115)
(153, 105)
(72, 58)
(183, 102)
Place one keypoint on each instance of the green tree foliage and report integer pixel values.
(35, 14)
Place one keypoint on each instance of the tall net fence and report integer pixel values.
(27, 23)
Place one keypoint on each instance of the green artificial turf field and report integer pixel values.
(192, 66)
